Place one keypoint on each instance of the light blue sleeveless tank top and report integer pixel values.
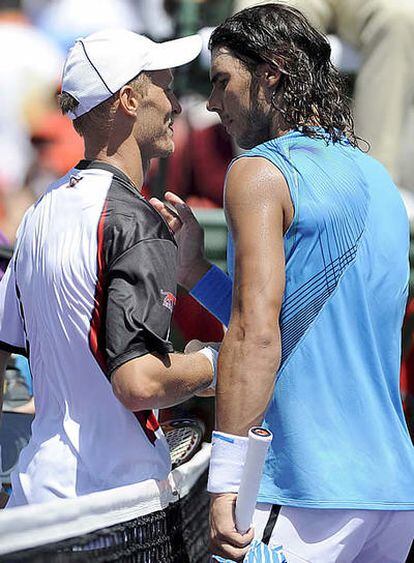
(340, 438)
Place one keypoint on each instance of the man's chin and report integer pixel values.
(245, 144)
(165, 151)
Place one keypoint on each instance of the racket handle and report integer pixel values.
(259, 442)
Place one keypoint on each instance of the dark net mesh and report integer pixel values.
(178, 534)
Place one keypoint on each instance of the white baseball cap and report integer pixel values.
(99, 65)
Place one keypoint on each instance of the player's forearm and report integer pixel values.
(247, 367)
(153, 382)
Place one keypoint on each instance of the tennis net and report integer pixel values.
(150, 522)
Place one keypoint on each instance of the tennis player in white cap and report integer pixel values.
(91, 287)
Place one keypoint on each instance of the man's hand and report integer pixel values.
(224, 538)
(192, 265)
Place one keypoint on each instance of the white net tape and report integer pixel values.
(25, 527)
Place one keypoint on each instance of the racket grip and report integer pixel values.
(259, 442)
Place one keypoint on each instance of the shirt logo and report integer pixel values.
(73, 180)
(169, 300)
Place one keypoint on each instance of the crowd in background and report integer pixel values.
(38, 144)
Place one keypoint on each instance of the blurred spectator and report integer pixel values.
(57, 146)
(4, 256)
(30, 66)
(17, 389)
(17, 384)
(194, 14)
(66, 20)
(383, 31)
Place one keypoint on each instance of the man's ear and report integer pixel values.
(269, 75)
(128, 100)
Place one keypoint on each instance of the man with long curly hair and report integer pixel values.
(383, 33)
(318, 263)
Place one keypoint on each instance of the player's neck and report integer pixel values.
(126, 158)
(277, 126)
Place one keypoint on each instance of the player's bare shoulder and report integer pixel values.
(255, 183)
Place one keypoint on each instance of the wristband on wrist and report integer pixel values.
(212, 355)
(214, 292)
(228, 455)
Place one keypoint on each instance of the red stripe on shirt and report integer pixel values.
(147, 419)
(97, 329)
(149, 424)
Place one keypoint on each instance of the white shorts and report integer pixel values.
(336, 536)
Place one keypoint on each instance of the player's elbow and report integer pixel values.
(261, 330)
(134, 397)
(267, 346)
(136, 391)
(261, 340)
(264, 340)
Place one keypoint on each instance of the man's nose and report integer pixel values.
(212, 104)
(176, 106)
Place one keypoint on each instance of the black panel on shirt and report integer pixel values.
(140, 301)
(140, 256)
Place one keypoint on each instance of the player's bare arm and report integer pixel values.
(259, 210)
(153, 381)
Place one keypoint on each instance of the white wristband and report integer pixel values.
(228, 455)
(212, 355)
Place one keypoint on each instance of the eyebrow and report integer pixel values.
(216, 76)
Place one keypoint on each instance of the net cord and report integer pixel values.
(25, 527)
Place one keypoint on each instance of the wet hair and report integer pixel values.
(99, 119)
(311, 91)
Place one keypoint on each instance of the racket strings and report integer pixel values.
(183, 440)
(182, 443)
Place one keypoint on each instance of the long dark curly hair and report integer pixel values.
(311, 90)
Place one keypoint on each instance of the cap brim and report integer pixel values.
(177, 52)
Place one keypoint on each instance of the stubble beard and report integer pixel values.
(160, 145)
(256, 131)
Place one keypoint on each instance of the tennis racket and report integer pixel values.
(184, 437)
(259, 442)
